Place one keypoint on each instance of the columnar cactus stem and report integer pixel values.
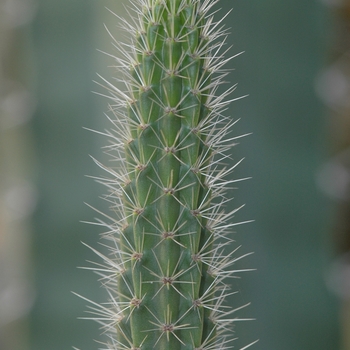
(168, 265)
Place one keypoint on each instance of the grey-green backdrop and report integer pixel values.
(285, 44)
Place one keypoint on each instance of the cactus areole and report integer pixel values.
(169, 261)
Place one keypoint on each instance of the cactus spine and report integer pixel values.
(168, 262)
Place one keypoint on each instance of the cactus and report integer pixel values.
(169, 257)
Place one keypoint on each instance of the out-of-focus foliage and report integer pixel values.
(17, 192)
(333, 86)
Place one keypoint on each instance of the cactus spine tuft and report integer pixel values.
(169, 257)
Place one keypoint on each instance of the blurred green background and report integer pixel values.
(53, 55)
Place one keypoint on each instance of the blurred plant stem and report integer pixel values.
(334, 88)
(17, 195)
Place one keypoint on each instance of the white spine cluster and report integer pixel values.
(169, 248)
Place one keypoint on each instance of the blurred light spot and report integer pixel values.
(18, 12)
(16, 299)
(338, 277)
(16, 105)
(333, 87)
(20, 200)
(334, 177)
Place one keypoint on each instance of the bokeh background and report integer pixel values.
(295, 70)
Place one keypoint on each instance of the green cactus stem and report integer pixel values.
(169, 259)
